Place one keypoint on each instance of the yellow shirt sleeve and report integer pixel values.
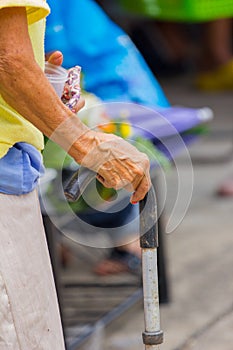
(36, 9)
(13, 127)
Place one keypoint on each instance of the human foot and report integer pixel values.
(119, 261)
(226, 189)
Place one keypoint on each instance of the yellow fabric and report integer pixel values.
(13, 127)
(219, 79)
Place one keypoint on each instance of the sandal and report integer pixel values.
(119, 261)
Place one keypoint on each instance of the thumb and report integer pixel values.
(55, 58)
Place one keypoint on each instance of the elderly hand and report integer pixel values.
(117, 163)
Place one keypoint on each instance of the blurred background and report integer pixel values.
(188, 50)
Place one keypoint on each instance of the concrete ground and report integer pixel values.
(200, 250)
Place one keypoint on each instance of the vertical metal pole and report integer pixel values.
(152, 336)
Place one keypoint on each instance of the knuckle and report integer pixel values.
(113, 183)
(107, 185)
(147, 162)
(145, 187)
(140, 171)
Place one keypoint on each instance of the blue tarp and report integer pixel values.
(113, 68)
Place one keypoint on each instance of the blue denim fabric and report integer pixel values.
(20, 169)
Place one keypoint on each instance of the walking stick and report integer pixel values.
(152, 336)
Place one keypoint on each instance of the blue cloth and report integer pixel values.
(113, 68)
(20, 169)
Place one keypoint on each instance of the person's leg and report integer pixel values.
(217, 43)
(125, 255)
(126, 258)
(28, 304)
(216, 61)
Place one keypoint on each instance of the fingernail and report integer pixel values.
(134, 202)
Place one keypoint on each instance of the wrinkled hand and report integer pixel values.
(118, 164)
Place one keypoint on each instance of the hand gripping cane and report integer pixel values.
(152, 336)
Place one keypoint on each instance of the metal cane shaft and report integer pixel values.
(152, 336)
(150, 290)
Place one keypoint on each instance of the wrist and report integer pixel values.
(83, 145)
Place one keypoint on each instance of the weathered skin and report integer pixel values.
(24, 86)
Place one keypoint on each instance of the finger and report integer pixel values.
(104, 182)
(133, 185)
(112, 181)
(117, 175)
(100, 178)
(126, 174)
(129, 188)
(55, 57)
(48, 54)
(141, 190)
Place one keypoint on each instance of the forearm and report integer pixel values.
(24, 86)
(33, 97)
